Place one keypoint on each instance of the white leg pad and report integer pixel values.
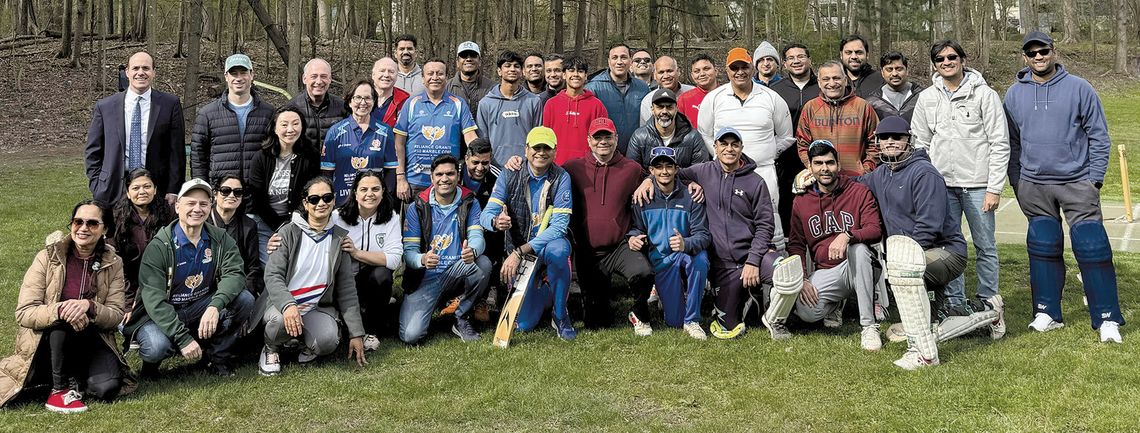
(787, 281)
(906, 264)
(956, 326)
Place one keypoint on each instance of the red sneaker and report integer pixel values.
(65, 401)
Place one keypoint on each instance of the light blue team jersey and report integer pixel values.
(432, 130)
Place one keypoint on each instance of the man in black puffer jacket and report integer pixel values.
(228, 131)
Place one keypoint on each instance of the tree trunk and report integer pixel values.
(110, 24)
(603, 39)
(26, 18)
(580, 26)
(138, 26)
(749, 24)
(77, 30)
(65, 42)
(193, 62)
(560, 25)
(983, 34)
(271, 29)
(294, 27)
(886, 11)
(151, 40)
(181, 31)
(654, 16)
(1028, 15)
(322, 18)
(122, 19)
(1121, 36)
(1069, 22)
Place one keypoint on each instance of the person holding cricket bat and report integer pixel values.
(673, 231)
(532, 206)
(443, 254)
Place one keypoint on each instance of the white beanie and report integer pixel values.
(765, 50)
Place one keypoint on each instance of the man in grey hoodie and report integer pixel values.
(1057, 119)
(508, 111)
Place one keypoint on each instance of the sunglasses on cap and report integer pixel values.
(227, 191)
(662, 151)
(951, 57)
(1043, 52)
(91, 224)
(314, 199)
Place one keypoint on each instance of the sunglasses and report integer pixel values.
(226, 191)
(662, 151)
(939, 59)
(641, 60)
(894, 137)
(314, 199)
(1044, 52)
(468, 55)
(91, 224)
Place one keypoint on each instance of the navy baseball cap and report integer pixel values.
(893, 125)
(662, 94)
(662, 152)
(1036, 36)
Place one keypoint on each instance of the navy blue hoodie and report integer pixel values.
(739, 211)
(912, 198)
(1057, 130)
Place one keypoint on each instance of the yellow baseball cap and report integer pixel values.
(541, 135)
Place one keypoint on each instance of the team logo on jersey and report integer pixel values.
(441, 242)
(379, 239)
(192, 282)
(376, 146)
(359, 162)
(432, 133)
(207, 256)
(738, 192)
(510, 114)
(448, 114)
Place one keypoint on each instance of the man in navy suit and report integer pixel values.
(137, 128)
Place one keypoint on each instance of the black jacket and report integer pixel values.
(796, 97)
(867, 81)
(244, 231)
(305, 167)
(318, 120)
(217, 146)
(687, 142)
(884, 109)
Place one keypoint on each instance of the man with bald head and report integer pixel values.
(391, 98)
(321, 108)
(668, 76)
(139, 127)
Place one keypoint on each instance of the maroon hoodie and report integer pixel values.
(818, 217)
(602, 195)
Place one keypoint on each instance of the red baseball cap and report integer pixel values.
(602, 124)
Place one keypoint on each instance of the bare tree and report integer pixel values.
(559, 24)
(1028, 15)
(193, 61)
(294, 30)
(271, 29)
(1069, 20)
(65, 44)
(580, 26)
(26, 18)
(1121, 36)
(77, 30)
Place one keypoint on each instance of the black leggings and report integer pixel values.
(374, 290)
(84, 357)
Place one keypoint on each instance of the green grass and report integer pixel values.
(613, 381)
(1122, 112)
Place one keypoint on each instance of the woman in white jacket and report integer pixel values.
(376, 247)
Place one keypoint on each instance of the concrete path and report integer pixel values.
(1011, 225)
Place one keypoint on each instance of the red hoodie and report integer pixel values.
(397, 102)
(602, 193)
(570, 119)
(818, 217)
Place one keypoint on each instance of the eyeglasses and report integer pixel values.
(314, 199)
(226, 191)
(359, 99)
(893, 137)
(641, 60)
(91, 224)
(821, 143)
(797, 57)
(1044, 52)
(951, 57)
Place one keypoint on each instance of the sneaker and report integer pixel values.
(895, 333)
(1110, 332)
(371, 343)
(997, 328)
(565, 329)
(450, 307)
(464, 330)
(65, 401)
(912, 360)
(694, 330)
(306, 356)
(269, 363)
(641, 329)
(1043, 323)
(834, 319)
(869, 338)
(653, 298)
(881, 314)
(717, 330)
(777, 328)
(481, 312)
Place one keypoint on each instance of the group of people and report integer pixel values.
(786, 194)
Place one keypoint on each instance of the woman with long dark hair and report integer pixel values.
(375, 244)
(359, 142)
(70, 306)
(139, 214)
(229, 196)
(288, 159)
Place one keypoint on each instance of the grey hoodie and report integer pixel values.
(506, 121)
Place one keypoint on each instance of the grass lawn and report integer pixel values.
(613, 381)
(1122, 112)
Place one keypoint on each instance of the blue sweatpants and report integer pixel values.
(555, 259)
(682, 283)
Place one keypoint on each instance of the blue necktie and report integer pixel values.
(134, 150)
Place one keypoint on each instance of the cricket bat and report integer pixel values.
(521, 283)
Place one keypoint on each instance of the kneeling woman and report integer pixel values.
(309, 285)
(70, 305)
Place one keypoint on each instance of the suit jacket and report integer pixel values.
(106, 152)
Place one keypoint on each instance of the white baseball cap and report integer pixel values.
(194, 184)
(468, 46)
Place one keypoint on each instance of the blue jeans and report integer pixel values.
(969, 201)
(155, 346)
(415, 313)
(264, 232)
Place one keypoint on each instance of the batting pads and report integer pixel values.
(787, 280)
(955, 326)
(906, 264)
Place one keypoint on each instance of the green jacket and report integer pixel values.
(157, 271)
